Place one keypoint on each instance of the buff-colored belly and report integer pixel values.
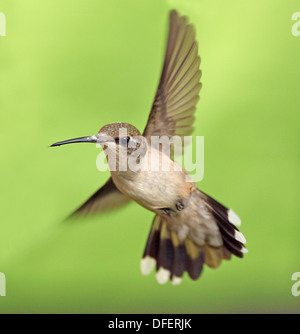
(154, 190)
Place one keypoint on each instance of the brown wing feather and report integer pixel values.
(106, 198)
(178, 91)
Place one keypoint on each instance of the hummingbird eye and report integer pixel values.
(124, 140)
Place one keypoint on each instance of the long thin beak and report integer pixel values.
(90, 139)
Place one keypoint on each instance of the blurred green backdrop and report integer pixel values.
(69, 67)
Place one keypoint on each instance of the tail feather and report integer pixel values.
(228, 215)
(230, 238)
(179, 256)
(151, 249)
(213, 256)
(172, 256)
(194, 259)
(225, 218)
(237, 250)
(165, 249)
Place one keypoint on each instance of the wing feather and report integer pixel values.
(106, 198)
(175, 101)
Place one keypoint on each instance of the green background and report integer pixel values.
(69, 67)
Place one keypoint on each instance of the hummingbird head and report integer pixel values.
(117, 130)
(109, 133)
(121, 139)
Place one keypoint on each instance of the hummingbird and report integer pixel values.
(190, 229)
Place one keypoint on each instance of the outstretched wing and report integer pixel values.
(178, 91)
(106, 198)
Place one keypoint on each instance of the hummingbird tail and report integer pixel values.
(227, 221)
(172, 257)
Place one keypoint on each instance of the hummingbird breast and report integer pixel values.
(154, 187)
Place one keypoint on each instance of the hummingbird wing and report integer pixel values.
(175, 101)
(106, 198)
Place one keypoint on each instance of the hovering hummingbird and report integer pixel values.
(190, 228)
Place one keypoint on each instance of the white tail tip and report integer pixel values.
(162, 275)
(244, 250)
(239, 237)
(176, 280)
(234, 218)
(147, 264)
